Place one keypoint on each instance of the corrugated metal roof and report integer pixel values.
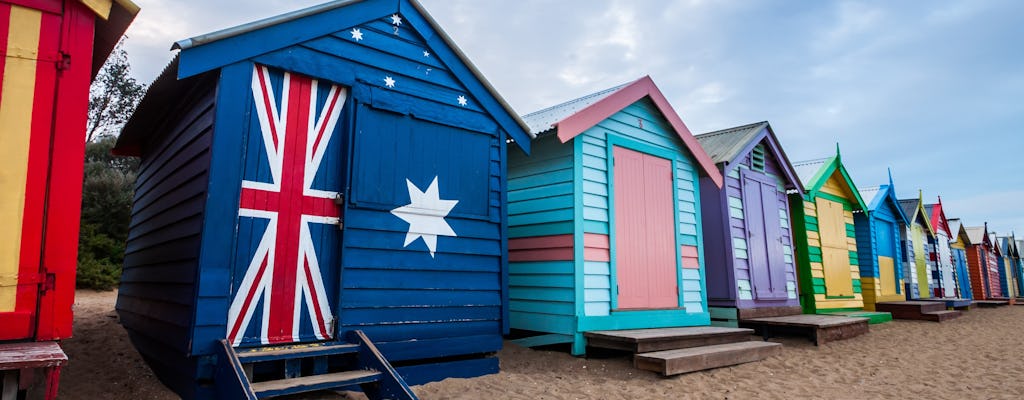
(976, 234)
(806, 170)
(544, 120)
(724, 145)
(954, 225)
(909, 207)
(870, 193)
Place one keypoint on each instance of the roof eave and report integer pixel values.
(593, 114)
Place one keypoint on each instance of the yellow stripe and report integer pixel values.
(100, 7)
(19, 80)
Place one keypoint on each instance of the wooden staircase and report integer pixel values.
(673, 351)
(267, 372)
(918, 310)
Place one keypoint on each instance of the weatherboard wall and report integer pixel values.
(562, 230)
(435, 314)
(730, 271)
(877, 240)
(816, 296)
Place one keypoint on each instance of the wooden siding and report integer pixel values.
(878, 285)
(813, 290)
(541, 206)
(944, 261)
(640, 122)
(156, 299)
(739, 276)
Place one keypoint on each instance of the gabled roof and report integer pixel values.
(954, 224)
(726, 147)
(938, 216)
(876, 196)
(995, 243)
(112, 20)
(976, 234)
(814, 173)
(1020, 245)
(914, 208)
(960, 236)
(572, 118)
(218, 49)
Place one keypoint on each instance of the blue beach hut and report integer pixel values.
(320, 204)
(878, 245)
(604, 219)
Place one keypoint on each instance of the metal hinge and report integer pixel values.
(63, 61)
(339, 201)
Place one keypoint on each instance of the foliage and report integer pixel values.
(106, 212)
(113, 95)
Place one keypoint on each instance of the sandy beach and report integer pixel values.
(978, 356)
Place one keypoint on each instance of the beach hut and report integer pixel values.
(321, 193)
(917, 236)
(1004, 254)
(982, 263)
(51, 51)
(604, 219)
(941, 253)
(825, 237)
(878, 245)
(958, 249)
(750, 266)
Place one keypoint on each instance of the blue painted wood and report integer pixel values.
(963, 276)
(396, 291)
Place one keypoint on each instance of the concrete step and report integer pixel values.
(649, 340)
(681, 361)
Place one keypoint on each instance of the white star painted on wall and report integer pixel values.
(395, 19)
(462, 101)
(426, 53)
(389, 81)
(357, 34)
(425, 214)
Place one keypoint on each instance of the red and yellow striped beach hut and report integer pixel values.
(51, 51)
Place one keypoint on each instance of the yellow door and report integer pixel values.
(887, 275)
(835, 255)
(919, 262)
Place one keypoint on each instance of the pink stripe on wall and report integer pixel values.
(690, 257)
(541, 248)
(595, 247)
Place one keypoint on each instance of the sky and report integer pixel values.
(933, 90)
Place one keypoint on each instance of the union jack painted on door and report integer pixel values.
(287, 257)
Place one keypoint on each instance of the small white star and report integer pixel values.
(426, 53)
(425, 214)
(357, 34)
(389, 82)
(462, 101)
(395, 19)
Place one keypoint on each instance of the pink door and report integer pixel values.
(645, 235)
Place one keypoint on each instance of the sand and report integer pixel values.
(978, 356)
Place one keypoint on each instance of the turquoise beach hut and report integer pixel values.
(604, 219)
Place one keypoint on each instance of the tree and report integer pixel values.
(113, 95)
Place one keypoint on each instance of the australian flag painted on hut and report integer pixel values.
(335, 169)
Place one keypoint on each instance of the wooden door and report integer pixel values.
(835, 252)
(29, 41)
(920, 263)
(284, 280)
(645, 235)
(764, 238)
(885, 240)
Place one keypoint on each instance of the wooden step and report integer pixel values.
(25, 355)
(648, 340)
(990, 303)
(291, 352)
(939, 316)
(909, 309)
(315, 382)
(681, 361)
(820, 329)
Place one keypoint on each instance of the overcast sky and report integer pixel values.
(932, 89)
